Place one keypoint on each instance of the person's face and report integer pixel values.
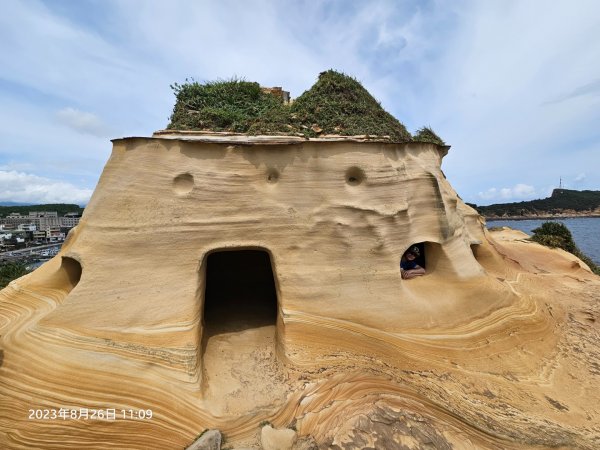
(410, 256)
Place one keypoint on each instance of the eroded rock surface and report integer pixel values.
(274, 439)
(495, 347)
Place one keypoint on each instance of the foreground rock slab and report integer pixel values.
(277, 439)
(209, 440)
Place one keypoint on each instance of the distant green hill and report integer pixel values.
(60, 208)
(561, 202)
(14, 204)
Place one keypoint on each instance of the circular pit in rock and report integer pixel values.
(183, 184)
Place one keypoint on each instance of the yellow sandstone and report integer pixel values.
(223, 281)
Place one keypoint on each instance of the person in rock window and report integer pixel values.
(408, 264)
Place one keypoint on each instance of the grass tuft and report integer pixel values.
(426, 134)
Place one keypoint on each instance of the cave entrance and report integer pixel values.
(240, 368)
(240, 291)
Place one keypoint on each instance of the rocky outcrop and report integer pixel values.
(220, 281)
(209, 440)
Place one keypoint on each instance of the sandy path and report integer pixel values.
(241, 371)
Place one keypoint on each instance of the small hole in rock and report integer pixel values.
(272, 176)
(183, 184)
(354, 176)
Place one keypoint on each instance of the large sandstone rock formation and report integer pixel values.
(221, 281)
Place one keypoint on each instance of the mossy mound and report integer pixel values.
(336, 104)
(426, 134)
(339, 104)
(233, 105)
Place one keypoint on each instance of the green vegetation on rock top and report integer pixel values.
(236, 105)
(336, 104)
(339, 104)
(426, 134)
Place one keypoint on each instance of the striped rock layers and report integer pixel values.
(218, 281)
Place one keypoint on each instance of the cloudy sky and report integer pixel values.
(513, 86)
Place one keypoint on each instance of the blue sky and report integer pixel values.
(512, 86)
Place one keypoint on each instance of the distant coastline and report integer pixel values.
(562, 204)
(544, 217)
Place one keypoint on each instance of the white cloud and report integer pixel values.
(34, 142)
(489, 194)
(83, 122)
(500, 69)
(579, 178)
(12, 165)
(522, 191)
(518, 192)
(592, 88)
(28, 188)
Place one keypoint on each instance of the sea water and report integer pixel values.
(585, 231)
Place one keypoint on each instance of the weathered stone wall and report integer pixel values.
(335, 218)
(116, 319)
